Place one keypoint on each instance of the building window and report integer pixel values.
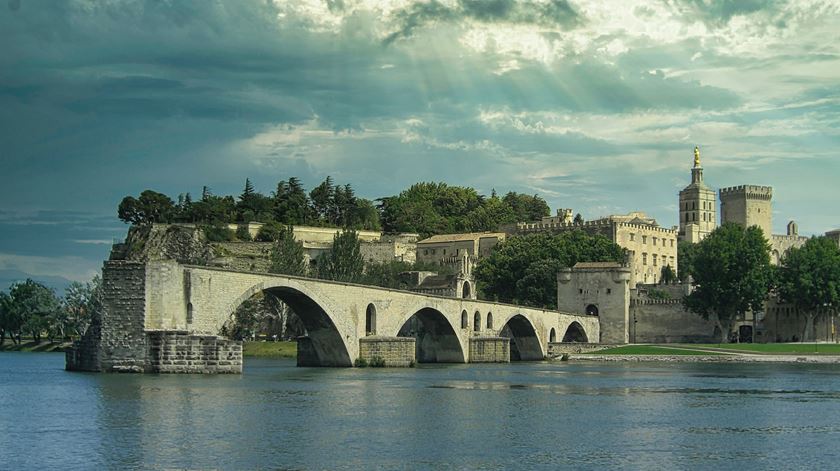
(632, 237)
(644, 258)
(609, 290)
(654, 259)
(644, 239)
(654, 241)
(672, 242)
(580, 291)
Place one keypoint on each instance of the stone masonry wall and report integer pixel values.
(489, 350)
(123, 338)
(180, 352)
(394, 351)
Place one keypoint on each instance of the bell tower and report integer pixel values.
(698, 206)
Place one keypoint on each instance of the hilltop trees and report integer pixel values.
(523, 270)
(809, 279)
(149, 208)
(732, 274)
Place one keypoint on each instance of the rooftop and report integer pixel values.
(436, 239)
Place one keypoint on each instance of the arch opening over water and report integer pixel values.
(575, 333)
(524, 343)
(327, 346)
(436, 341)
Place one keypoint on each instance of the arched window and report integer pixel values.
(466, 292)
(477, 321)
(591, 310)
(370, 320)
(552, 336)
(465, 322)
(189, 313)
(489, 320)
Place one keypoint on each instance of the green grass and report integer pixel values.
(650, 350)
(270, 349)
(773, 348)
(30, 346)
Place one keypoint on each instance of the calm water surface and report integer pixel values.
(517, 416)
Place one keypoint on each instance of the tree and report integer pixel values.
(30, 305)
(6, 322)
(686, 252)
(515, 265)
(270, 232)
(150, 207)
(291, 205)
(667, 275)
(429, 208)
(578, 221)
(80, 303)
(526, 208)
(344, 262)
(809, 279)
(287, 256)
(322, 197)
(732, 275)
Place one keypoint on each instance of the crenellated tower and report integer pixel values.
(748, 205)
(698, 206)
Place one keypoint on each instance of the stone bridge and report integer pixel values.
(155, 310)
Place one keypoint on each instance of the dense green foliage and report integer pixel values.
(667, 275)
(33, 309)
(809, 279)
(438, 208)
(523, 270)
(344, 261)
(732, 274)
(287, 257)
(685, 257)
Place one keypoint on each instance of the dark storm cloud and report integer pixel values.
(555, 13)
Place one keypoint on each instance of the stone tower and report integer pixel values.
(748, 205)
(698, 206)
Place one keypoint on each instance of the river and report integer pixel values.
(582, 415)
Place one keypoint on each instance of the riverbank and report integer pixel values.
(717, 353)
(269, 349)
(30, 346)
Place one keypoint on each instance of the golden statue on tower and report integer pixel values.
(696, 156)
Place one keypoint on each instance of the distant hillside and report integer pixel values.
(58, 283)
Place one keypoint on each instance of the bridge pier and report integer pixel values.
(489, 350)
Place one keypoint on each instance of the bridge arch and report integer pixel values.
(552, 336)
(575, 333)
(436, 340)
(525, 344)
(328, 343)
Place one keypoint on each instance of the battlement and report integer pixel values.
(646, 227)
(748, 191)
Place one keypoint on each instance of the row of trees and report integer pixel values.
(424, 208)
(32, 309)
(732, 273)
(327, 204)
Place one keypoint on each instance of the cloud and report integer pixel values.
(546, 13)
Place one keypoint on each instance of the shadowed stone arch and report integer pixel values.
(524, 343)
(327, 344)
(552, 336)
(575, 333)
(477, 321)
(436, 340)
(370, 319)
(489, 321)
(466, 291)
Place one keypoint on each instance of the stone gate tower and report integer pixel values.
(748, 205)
(697, 206)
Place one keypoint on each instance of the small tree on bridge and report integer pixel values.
(344, 262)
(287, 256)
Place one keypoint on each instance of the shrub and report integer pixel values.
(269, 232)
(218, 233)
(242, 233)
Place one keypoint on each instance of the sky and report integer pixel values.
(596, 106)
